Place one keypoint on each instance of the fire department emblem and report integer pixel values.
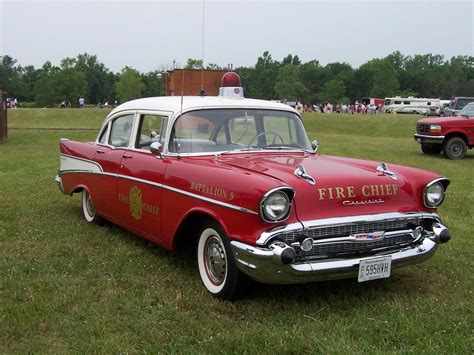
(136, 202)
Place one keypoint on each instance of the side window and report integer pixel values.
(152, 128)
(121, 131)
(103, 135)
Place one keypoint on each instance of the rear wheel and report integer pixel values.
(429, 149)
(88, 209)
(216, 264)
(454, 148)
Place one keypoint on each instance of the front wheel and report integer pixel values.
(431, 150)
(454, 148)
(216, 264)
(88, 209)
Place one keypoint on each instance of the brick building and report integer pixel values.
(192, 82)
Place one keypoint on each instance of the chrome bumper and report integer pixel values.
(259, 263)
(59, 183)
(422, 138)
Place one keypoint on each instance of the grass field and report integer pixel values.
(66, 286)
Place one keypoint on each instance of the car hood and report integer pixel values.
(343, 187)
(441, 120)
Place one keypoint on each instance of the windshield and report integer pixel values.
(235, 129)
(468, 110)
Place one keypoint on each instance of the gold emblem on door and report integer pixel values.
(136, 202)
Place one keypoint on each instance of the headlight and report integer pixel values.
(434, 194)
(435, 128)
(275, 205)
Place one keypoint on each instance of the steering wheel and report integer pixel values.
(275, 136)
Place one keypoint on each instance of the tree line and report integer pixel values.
(428, 75)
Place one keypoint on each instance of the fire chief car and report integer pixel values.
(239, 180)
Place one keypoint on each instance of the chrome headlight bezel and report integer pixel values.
(285, 194)
(438, 184)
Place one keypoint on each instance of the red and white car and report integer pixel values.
(239, 180)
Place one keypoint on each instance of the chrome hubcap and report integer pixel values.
(215, 259)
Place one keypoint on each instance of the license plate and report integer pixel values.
(376, 268)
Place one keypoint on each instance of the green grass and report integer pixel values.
(66, 286)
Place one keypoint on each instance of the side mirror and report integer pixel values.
(315, 145)
(156, 149)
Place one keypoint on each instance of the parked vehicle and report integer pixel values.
(238, 180)
(450, 135)
(411, 105)
(456, 105)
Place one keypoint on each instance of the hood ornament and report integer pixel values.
(383, 169)
(301, 173)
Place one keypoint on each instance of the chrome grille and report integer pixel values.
(345, 230)
(326, 250)
(422, 128)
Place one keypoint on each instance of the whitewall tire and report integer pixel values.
(216, 264)
(88, 209)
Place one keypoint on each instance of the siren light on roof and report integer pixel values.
(231, 86)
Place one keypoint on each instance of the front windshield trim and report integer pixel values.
(235, 152)
(301, 133)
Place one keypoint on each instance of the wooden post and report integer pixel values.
(3, 116)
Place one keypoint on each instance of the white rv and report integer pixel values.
(411, 105)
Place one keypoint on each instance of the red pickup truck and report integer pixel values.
(451, 135)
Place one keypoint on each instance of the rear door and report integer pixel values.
(112, 145)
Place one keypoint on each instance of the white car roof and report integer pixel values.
(173, 104)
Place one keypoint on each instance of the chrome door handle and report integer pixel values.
(100, 151)
(125, 156)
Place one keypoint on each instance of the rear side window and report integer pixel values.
(103, 135)
(121, 131)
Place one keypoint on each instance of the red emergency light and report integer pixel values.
(230, 80)
(230, 86)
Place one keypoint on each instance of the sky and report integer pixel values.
(149, 35)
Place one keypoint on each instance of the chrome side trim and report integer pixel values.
(299, 227)
(166, 187)
(64, 156)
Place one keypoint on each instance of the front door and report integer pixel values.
(141, 178)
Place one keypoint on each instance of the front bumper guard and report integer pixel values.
(259, 263)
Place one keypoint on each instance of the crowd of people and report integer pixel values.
(327, 107)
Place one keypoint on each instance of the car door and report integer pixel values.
(112, 145)
(141, 177)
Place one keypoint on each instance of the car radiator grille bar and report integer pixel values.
(422, 128)
(338, 248)
(345, 230)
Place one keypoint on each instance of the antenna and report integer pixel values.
(202, 92)
(182, 90)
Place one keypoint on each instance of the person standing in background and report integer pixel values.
(81, 102)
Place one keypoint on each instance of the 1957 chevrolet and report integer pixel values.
(238, 179)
